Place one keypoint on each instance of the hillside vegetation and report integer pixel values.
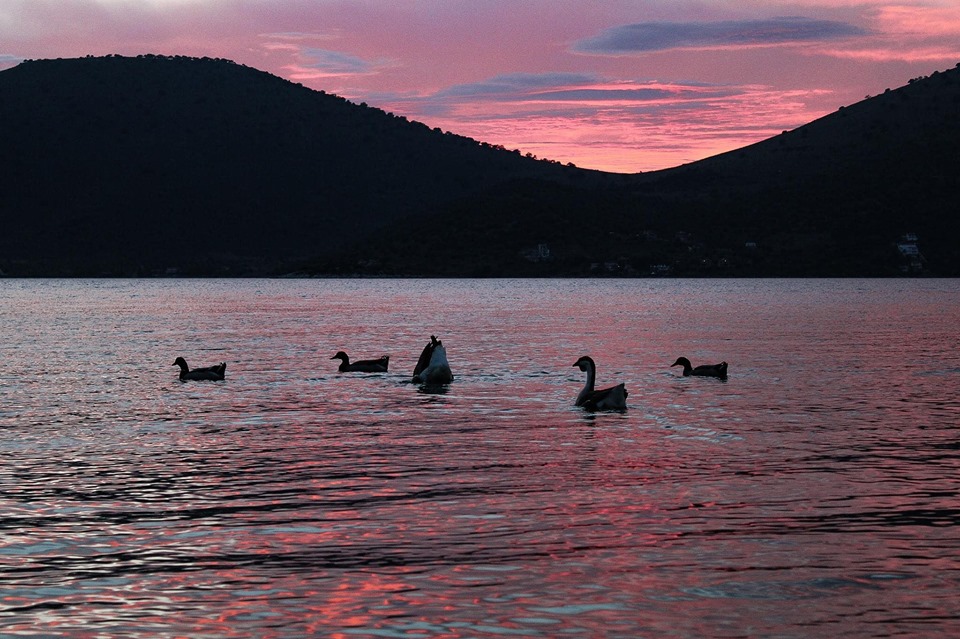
(157, 165)
(872, 189)
(123, 165)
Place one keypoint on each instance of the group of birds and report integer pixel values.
(433, 369)
(432, 366)
(615, 397)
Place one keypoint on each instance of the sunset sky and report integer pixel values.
(619, 85)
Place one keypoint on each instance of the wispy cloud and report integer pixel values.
(661, 36)
(925, 22)
(8, 60)
(634, 125)
(311, 63)
(299, 36)
(331, 62)
(537, 90)
(517, 84)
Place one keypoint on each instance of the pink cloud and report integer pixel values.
(920, 21)
(902, 33)
(616, 125)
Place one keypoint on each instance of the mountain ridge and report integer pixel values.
(194, 166)
(868, 190)
(138, 163)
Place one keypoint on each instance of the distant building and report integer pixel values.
(909, 250)
(539, 254)
(908, 245)
(913, 259)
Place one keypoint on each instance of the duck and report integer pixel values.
(363, 365)
(704, 370)
(432, 367)
(613, 398)
(210, 373)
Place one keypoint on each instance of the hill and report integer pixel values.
(154, 165)
(838, 195)
(122, 165)
(872, 189)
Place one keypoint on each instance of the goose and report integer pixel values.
(432, 367)
(363, 365)
(704, 370)
(613, 398)
(211, 373)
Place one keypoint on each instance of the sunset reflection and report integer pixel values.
(321, 504)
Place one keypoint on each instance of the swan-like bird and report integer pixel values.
(613, 398)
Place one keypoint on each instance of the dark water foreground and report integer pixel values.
(812, 494)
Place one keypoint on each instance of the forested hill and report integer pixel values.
(158, 165)
(872, 189)
(134, 165)
(842, 194)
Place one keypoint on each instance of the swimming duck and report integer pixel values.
(432, 367)
(704, 370)
(363, 365)
(613, 398)
(211, 373)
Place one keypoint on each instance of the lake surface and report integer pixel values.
(814, 493)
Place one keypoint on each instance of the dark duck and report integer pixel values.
(210, 373)
(613, 398)
(704, 370)
(363, 365)
(432, 367)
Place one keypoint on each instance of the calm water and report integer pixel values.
(812, 494)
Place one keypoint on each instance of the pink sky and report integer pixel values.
(619, 85)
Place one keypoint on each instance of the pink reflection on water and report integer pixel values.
(810, 493)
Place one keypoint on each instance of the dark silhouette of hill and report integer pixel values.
(138, 165)
(133, 165)
(834, 196)
(872, 189)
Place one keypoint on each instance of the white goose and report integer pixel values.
(432, 367)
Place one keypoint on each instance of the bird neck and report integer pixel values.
(591, 378)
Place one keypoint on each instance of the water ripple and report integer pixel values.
(294, 501)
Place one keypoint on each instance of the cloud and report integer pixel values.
(331, 62)
(298, 36)
(883, 53)
(560, 87)
(517, 84)
(925, 22)
(597, 121)
(315, 64)
(554, 94)
(660, 36)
